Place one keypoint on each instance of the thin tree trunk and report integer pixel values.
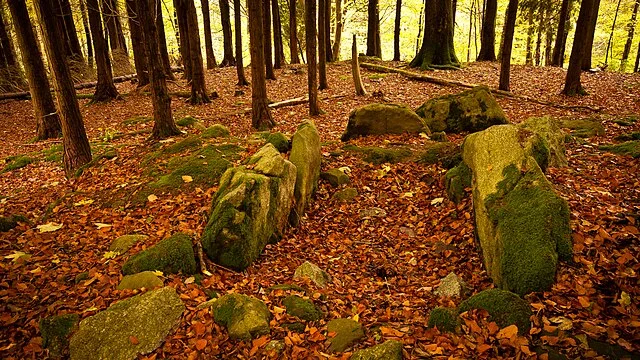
(105, 89)
(137, 44)
(627, 46)
(327, 30)
(185, 52)
(471, 18)
(488, 33)
(260, 114)
(572, 85)
(228, 59)
(198, 89)
(538, 53)
(563, 22)
(420, 27)
(454, 9)
(76, 149)
(504, 30)
(505, 61)
(13, 76)
(338, 35)
(162, 41)
(355, 69)
(47, 120)
(278, 47)
(266, 28)
(378, 46)
(322, 55)
(635, 67)
(237, 20)
(372, 24)
(293, 32)
(310, 36)
(613, 27)
(548, 36)
(206, 20)
(396, 32)
(530, 30)
(69, 28)
(113, 27)
(87, 33)
(590, 30)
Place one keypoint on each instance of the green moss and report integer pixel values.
(378, 155)
(56, 331)
(171, 255)
(456, 180)
(17, 162)
(631, 148)
(380, 119)
(137, 120)
(627, 121)
(190, 142)
(346, 194)
(305, 309)
(104, 152)
(145, 279)
(279, 141)
(347, 333)
(445, 319)
(53, 154)
(10, 222)
(295, 327)
(584, 128)
(123, 243)
(244, 317)
(335, 177)
(439, 136)
(215, 131)
(187, 121)
(505, 308)
(628, 137)
(447, 154)
(287, 287)
(389, 350)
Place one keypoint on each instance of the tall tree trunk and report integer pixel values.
(68, 28)
(590, 30)
(225, 17)
(137, 44)
(572, 85)
(163, 125)
(327, 30)
(260, 114)
(113, 26)
(322, 55)
(278, 47)
(563, 22)
(185, 52)
(627, 46)
(613, 27)
(11, 75)
(310, 37)
(76, 149)
(87, 33)
(548, 35)
(373, 22)
(198, 89)
(266, 28)
(454, 9)
(396, 32)
(472, 17)
(420, 27)
(237, 20)
(437, 49)
(538, 53)
(378, 46)
(635, 67)
(293, 32)
(206, 19)
(47, 120)
(505, 59)
(488, 34)
(355, 69)
(105, 89)
(162, 41)
(530, 30)
(338, 35)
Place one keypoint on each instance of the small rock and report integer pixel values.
(346, 194)
(347, 331)
(171, 255)
(451, 286)
(56, 331)
(274, 347)
(244, 317)
(305, 309)
(125, 242)
(145, 279)
(295, 327)
(314, 273)
(335, 177)
(445, 319)
(440, 136)
(389, 350)
(286, 287)
(374, 212)
(238, 93)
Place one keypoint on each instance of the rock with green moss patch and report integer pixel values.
(444, 153)
(549, 129)
(17, 162)
(631, 148)
(148, 318)
(378, 155)
(347, 332)
(629, 136)
(380, 119)
(335, 177)
(345, 195)
(9, 222)
(472, 110)
(171, 255)
(145, 279)
(439, 136)
(505, 308)
(297, 326)
(313, 272)
(306, 156)
(521, 222)
(279, 140)
(250, 208)
(388, 350)
(445, 319)
(244, 317)
(274, 347)
(56, 331)
(215, 131)
(189, 121)
(583, 128)
(305, 309)
(123, 243)
(456, 180)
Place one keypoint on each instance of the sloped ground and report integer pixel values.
(383, 269)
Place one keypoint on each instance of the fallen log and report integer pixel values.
(297, 101)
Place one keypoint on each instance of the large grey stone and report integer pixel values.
(549, 129)
(244, 317)
(306, 156)
(313, 272)
(380, 119)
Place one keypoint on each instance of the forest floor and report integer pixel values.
(383, 270)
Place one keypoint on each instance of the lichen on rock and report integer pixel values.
(244, 317)
(313, 272)
(307, 157)
(335, 177)
(505, 308)
(380, 119)
(144, 279)
(388, 350)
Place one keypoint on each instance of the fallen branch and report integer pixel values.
(439, 81)
(297, 101)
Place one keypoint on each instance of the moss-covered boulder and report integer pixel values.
(345, 195)
(551, 132)
(456, 180)
(244, 317)
(347, 332)
(440, 136)
(472, 110)
(313, 272)
(629, 136)
(250, 208)
(56, 331)
(9, 222)
(145, 279)
(444, 153)
(380, 119)
(505, 308)
(191, 122)
(279, 140)
(171, 255)
(147, 318)
(631, 148)
(445, 319)
(521, 222)
(215, 131)
(583, 128)
(305, 309)
(123, 243)
(306, 156)
(388, 350)
(335, 177)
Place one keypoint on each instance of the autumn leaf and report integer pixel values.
(187, 178)
(152, 198)
(83, 202)
(201, 344)
(102, 225)
(508, 332)
(134, 340)
(16, 255)
(49, 227)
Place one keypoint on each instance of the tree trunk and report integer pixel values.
(47, 120)
(509, 29)
(198, 89)
(206, 19)
(488, 34)
(627, 46)
(260, 114)
(77, 151)
(293, 32)
(266, 28)
(87, 33)
(373, 22)
(338, 35)
(548, 36)
(163, 125)
(327, 30)
(538, 53)
(396, 32)
(635, 67)
(105, 89)
(185, 53)
(437, 49)
(530, 30)
(162, 41)
(572, 85)
(322, 46)
(11, 75)
(563, 22)
(590, 31)
(278, 47)
(454, 9)
(237, 20)
(225, 17)
(113, 27)
(137, 44)
(613, 27)
(310, 36)
(68, 27)
(355, 69)
(421, 17)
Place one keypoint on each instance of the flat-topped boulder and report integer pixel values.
(245, 317)
(380, 119)
(171, 255)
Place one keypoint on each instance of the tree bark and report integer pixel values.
(113, 26)
(530, 30)
(137, 44)
(237, 20)
(198, 89)
(327, 31)
(421, 16)
(563, 22)
(68, 28)
(488, 34)
(538, 53)
(548, 35)
(105, 90)
(310, 37)
(355, 69)
(87, 33)
(627, 46)
(182, 15)
(278, 47)
(206, 20)
(225, 17)
(590, 31)
(373, 23)
(572, 85)
(293, 32)
(47, 120)
(437, 49)
(76, 149)
(162, 41)
(396, 32)
(505, 60)
(635, 67)
(613, 27)
(11, 74)
(322, 45)
(260, 114)
(338, 35)
(266, 28)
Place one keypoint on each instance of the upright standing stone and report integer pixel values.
(306, 156)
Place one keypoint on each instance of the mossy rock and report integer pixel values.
(287, 287)
(388, 350)
(631, 148)
(445, 319)
(347, 332)
(471, 110)
(215, 131)
(629, 136)
(377, 155)
(298, 327)
(305, 309)
(440, 136)
(137, 120)
(10, 222)
(456, 180)
(171, 255)
(56, 331)
(627, 121)
(306, 155)
(145, 279)
(345, 195)
(187, 121)
(335, 177)
(314, 273)
(279, 141)
(505, 308)
(584, 128)
(445, 153)
(244, 317)
(190, 142)
(123, 243)
(552, 134)
(17, 162)
(380, 119)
